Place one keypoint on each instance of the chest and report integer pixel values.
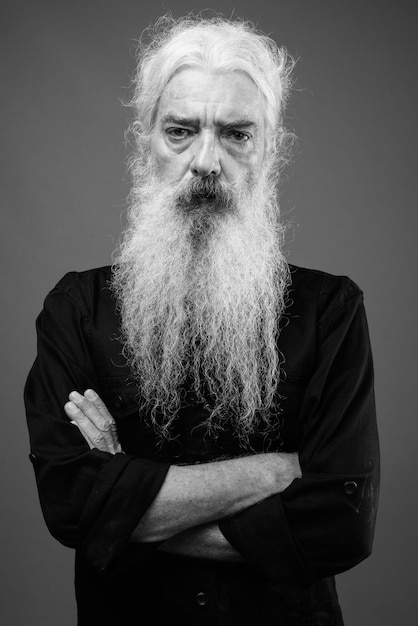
(190, 441)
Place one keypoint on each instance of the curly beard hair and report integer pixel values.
(201, 280)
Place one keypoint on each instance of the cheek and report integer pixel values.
(167, 162)
(248, 160)
(162, 163)
(244, 166)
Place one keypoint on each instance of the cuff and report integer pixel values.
(119, 499)
(262, 536)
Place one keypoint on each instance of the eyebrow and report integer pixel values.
(195, 122)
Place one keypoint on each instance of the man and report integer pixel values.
(201, 414)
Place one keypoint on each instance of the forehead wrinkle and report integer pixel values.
(191, 100)
(237, 123)
(185, 120)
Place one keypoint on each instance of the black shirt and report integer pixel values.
(292, 543)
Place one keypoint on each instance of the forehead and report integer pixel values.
(224, 95)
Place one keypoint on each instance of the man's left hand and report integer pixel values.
(90, 414)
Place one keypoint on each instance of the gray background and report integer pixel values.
(350, 195)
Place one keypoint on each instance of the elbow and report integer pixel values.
(346, 548)
(61, 526)
(62, 499)
(356, 545)
(360, 525)
(333, 520)
(340, 535)
(61, 512)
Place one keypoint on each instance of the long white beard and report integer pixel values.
(201, 287)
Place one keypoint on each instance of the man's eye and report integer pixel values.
(177, 134)
(238, 136)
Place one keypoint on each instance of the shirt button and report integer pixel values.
(350, 486)
(201, 598)
(117, 402)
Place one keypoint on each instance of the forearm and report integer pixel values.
(205, 542)
(199, 494)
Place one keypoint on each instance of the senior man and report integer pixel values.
(201, 413)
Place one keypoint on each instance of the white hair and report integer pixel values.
(217, 45)
(201, 292)
(202, 285)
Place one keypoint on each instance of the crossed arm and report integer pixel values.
(184, 514)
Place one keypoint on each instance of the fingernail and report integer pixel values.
(70, 407)
(74, 395)
(90, 394)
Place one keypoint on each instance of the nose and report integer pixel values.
(205, 161)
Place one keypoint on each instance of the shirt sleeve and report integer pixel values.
(91, 500)
(323, 523)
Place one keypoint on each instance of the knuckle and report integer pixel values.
(98, 440)
(105, 412)
(109, 423)
(83, 404)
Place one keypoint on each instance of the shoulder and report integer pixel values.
(310, 283)
(91, 279)
(312, 280)
(82, 289)
(321, 295)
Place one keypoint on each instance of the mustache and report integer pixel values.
(209, 189)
